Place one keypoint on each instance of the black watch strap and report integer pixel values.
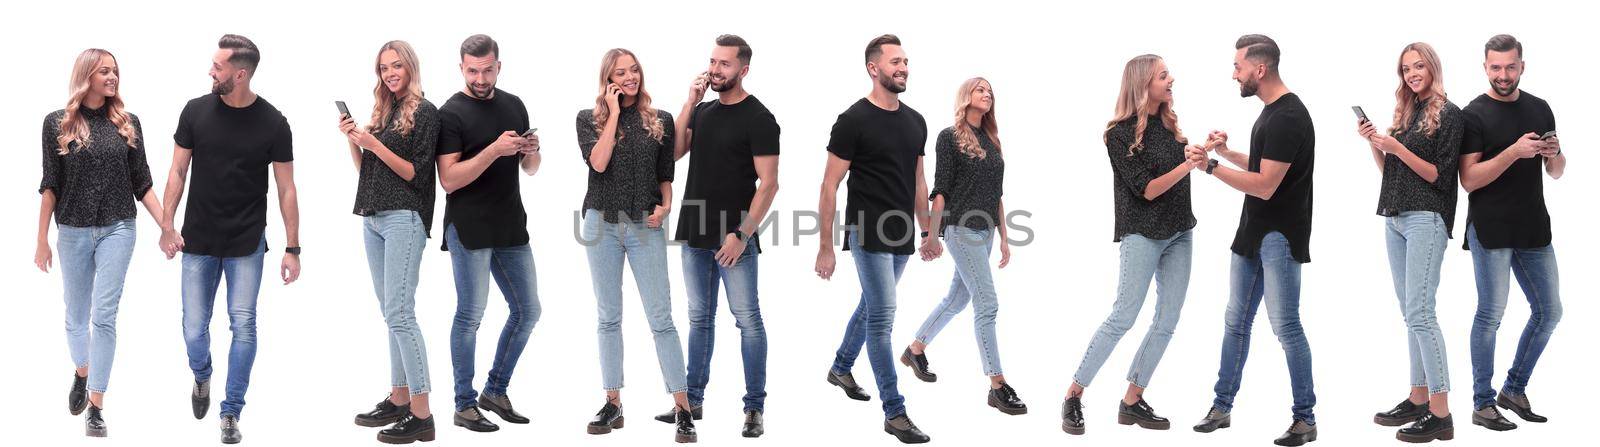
(292, 250)
(1211, 165)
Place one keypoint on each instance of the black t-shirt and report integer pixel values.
(722, 169)
(1508, 212)
(230, 150)
(883, 147)
(488, 212)
(1282, 133)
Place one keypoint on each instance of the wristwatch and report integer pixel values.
(1211, 165)
(924, 234)
(292, 250)
(740, 234)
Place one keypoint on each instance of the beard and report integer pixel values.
(727, 84)
(480, 94)
(1249, 88)
(221, 88)
(1508, 90)
(888, 83)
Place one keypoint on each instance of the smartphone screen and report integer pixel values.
(342, 108)
(1360, 115)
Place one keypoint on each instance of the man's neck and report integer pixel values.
(733, 96)
(1513, 97)
(468, 91)
(884, 99)
(240, 98)
(1271, 91)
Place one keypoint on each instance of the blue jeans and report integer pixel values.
(395, 240)
(873, 321)
(94, 261)
(973, 283)
(201, 275)
(513, 270)
(1417, 241)
(1537, 274)
(700, 274)
(609, 245)
(1274, 276)
(1168, 261)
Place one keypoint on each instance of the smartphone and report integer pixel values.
(530, 132)
(1361, 116)
(343, 110)
(1547, 135)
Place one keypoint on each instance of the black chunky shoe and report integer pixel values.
(230, 429)
(1518, 403)
(1072, 416)
(847, 383)
(200, 398)
(753, 425)
(94, 426)
(1402, 414)
(671, 416)
(1299, 433)
(919, 365)
(1489, 417)
(384, 413)
(902, 429)
(501, 406)
(472, 419)
(78, 397)
(409, 429)
(1005, 399)
(1215, 419)
(1140, 413)
(1427, 429)
(685, 432)
(609, 418)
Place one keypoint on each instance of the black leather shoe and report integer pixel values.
(1215, 419)
(1072, 416)
(919, 365)
(847, 383)
(78, 397)
(1402, 414)
(753, 425)
(501, 406)
(409, 429)
(1518, 403)
(1299, 433)
(671, 416)
(1140, 413)
(384, 413)
(1489, 417)
(1427, 429)
(200, 398)
(685, 432)
(472, 419)
(230, 429)
(93, 425)
(1005, 399)
(609, 417)
(902, 429)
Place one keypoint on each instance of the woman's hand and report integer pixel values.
(655, 218)
(931, 248)
(42, 256)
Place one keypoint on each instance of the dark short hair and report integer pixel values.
(479, 45)
(245, 54)
(1261, 49)
(875, 47)
(1503, 43)
(730, 40)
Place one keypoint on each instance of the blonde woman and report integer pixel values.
(1154, 225)
(1417, 158)
(628, 146)
(393, 155)
(94, 163)
(967, 185)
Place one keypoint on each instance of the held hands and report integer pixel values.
(171, 242)
(42, 256)
(1197, 156)
(732, 249)
(825, 263)
(930, 247)
(655, 218)
(290, 269)
(1217, 141)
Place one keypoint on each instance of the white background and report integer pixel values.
(322, 355)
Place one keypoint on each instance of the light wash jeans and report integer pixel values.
(973, 283)
(1536, 272)
(201, 276)
(395, 240)
(1168, 261)
(1417, 241)
(513, 270)
(94, 262)
(609, 246)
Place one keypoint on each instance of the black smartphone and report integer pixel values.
(1361, 116)
(1547, 135)
(343, 110)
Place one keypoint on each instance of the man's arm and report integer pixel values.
(177, 177)
(1259, 184)
(289, 206)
